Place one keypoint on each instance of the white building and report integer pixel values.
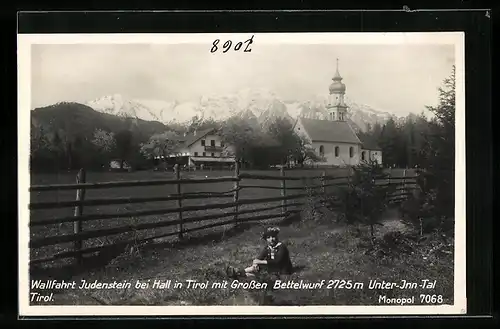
(203, 147)
(334, 139)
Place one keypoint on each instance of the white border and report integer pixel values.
(24, 106)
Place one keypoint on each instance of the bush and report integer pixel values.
(429, 210)
(365, 198)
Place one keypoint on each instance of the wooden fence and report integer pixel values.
(289, 204)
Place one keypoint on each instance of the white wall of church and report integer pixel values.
(343, 158)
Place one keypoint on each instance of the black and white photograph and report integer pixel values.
(241, 174)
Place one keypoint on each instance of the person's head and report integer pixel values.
(271, 235)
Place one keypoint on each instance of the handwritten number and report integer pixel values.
(250, 41)
(227, 45)
(214, 47)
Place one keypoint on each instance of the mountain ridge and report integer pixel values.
(262, 104)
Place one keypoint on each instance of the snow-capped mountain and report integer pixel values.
(262, 104)
(119, 106)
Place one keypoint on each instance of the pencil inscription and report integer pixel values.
(229, 43)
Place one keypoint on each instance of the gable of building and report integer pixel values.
(300, 130)
(186, 141)
(329, 131)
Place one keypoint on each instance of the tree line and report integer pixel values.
(253, 144)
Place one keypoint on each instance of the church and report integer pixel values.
(333, 139)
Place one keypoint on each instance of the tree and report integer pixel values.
(40, 149)
(239, 136)
(123, 145)
(281, 131)
(364, 201)
(304, 152)
(389, 142)
(104, 141)
(38, 140)
(104, 145)
(160, 145)
(439, 149)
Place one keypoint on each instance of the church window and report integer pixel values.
(337, 151)
(363, 156)
(351, 151)
(321, 150)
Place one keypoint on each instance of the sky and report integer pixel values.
(398, 79)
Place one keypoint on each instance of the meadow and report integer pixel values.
(321, 250)
(150, 191)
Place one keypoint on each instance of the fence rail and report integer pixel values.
(288, 204)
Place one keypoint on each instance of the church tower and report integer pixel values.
(336, 107)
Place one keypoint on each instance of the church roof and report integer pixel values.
(329, 131)
(369, 143)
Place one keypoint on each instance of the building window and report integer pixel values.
(221, 143)
(363, 156)
(202, 142)
(204, 154)
(337, 151)
(212, 143)
(195, 154)
(213, 154)
(321, 150)
(351, 151)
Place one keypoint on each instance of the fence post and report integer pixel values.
(404, 185)
(77, 224)
(283, 191)
(236, 189)
(179, 201)
(323, 183)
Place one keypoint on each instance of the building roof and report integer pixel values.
(368, 143)
(329, 131)
(191, 138)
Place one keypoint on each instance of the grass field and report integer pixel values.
(320, 249)
(146, 191)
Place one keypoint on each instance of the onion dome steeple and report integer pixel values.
(337, 87)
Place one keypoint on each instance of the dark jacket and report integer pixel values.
(278, 259)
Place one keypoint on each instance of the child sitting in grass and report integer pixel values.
(274, 257)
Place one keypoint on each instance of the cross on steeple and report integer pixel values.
(337, 76)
